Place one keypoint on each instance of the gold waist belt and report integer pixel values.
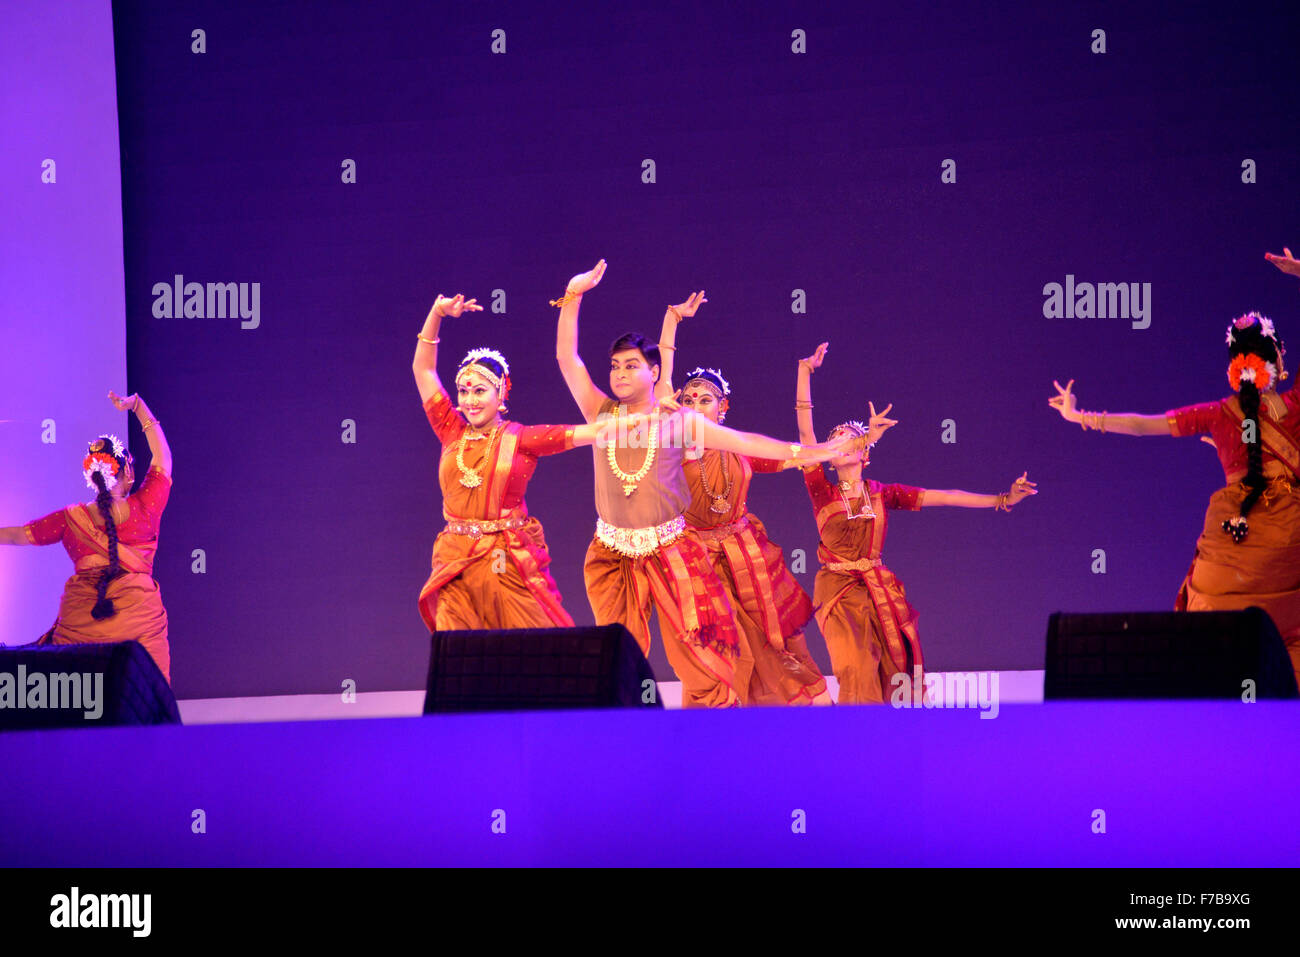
(861, 565)
(477, 529)
(638, 542)
(719, 532)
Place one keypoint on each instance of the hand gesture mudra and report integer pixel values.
(814, 361)
(584, 282)
(1286, 262)
(454, 306)
(693, 302)
(1021, 488)
(127, 404)
(878, 424)
(1065, 402)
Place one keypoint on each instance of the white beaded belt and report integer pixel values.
(637, 542)
(477, 529)
(861, 565)
(718, 532)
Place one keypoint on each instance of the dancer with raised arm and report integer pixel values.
(862, 609)
(1248, 552)
(490, 566)
(112, 595)
(774, 666)
(642, 557)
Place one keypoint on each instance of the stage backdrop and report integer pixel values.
(62, 319)
(905, 182)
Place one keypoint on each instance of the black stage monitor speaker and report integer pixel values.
(83, 686)
(1177, 654)
(529, 669)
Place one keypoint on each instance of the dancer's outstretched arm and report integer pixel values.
(575, 373)
(160, 452)
(1287, 263)
(673, 317)
(705, 433)
(1128, 423)
(1020, 489)
(14, 535)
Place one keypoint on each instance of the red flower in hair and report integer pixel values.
(1251, 368)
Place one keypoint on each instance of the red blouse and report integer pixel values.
(146, 506)
(823, 493)
(534, 440)
(1212, 419)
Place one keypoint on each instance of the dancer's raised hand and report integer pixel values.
(878, 424)
(584, 282)
(1286, 262)
(1021, 488)
(1065, 402)
(814, 361)
(684, 310)
(454, 306)
(124, 405)
(671, 403)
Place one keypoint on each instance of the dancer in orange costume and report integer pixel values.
(112, 596)
(862, 609)
(642, 556)
(1248, 552)
(773, 666)
(490, 564)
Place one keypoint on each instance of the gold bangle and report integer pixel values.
(146, 428)
(798, 407)
(1103, 421)
(567, 298)
(673, 310)
(432, 342)
(795, 449)
(664, 345)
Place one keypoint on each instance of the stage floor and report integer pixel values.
(1144, 784)
(1013, 687)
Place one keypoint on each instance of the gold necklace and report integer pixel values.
(720, 502)
(630, 482)
(471, 478)
(867, 511)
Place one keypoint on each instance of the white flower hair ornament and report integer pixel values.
(104, 457)
(703, 375)
(471, 364)
(1249, 319)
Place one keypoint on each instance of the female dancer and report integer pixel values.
(490, 563)
(112, 596)
(773, 666)
(862, 610)
(1249, 549)
(642, 557)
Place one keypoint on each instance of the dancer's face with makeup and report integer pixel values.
(703, 399)
(853, 458)
(631, 377)
(478, 399)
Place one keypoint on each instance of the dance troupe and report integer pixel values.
(673, 532)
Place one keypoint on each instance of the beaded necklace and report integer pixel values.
(630, 482)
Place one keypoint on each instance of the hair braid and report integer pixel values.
(104, 605)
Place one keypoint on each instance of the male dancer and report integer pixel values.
(642, 554)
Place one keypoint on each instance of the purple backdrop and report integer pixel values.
(62, 317)
(775, 171)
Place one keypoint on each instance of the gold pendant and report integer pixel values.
(719, 505)
(471, 480)
(629, 489)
